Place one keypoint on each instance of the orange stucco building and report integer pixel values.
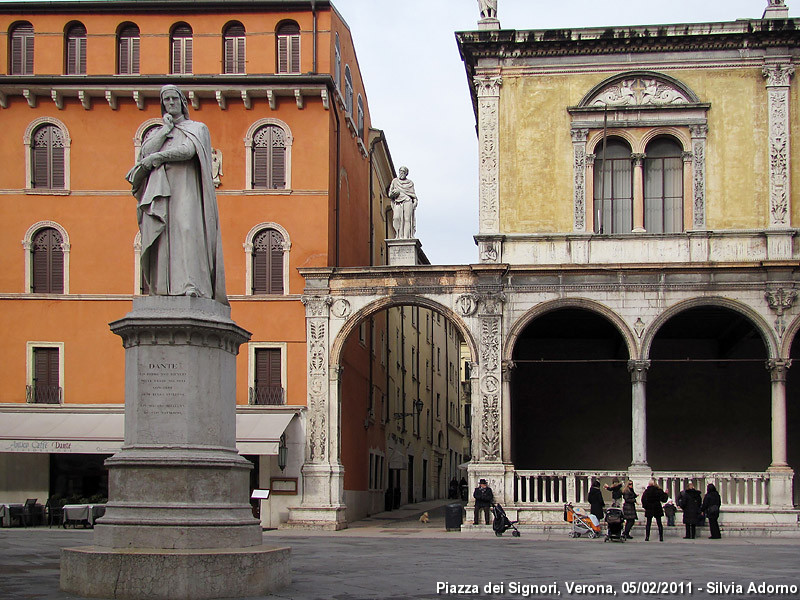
(278, 85)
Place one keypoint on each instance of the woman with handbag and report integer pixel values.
(710, 508)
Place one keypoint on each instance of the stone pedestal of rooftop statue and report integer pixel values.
(404, 252)
(178, 524)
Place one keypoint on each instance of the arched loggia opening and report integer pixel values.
(708, 393)
(570, 394)
(404, 407)
(793, 414)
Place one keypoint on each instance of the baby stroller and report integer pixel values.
(614, 520)
(501, 522)
(581, 522)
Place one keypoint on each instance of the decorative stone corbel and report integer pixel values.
(298, 96)
(271, 99)
(138, 97)
(325, 100)
(58, 99)
(111, 98)
(248, 104)
(3, 100)
(30, 97)
(195, 100)
(221, 100)
(86, 99)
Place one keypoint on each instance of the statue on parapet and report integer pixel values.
(488, 9)
(177, 206)
(404, 204)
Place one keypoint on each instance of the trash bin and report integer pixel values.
(453, 517)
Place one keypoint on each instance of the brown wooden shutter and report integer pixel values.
(82, 55)
(283, 54)
(17, 49)
(187, 61)
(260, 167)
(278, 169)
(176, 55)
(240, 56)
(268, 376)
(57, 168)
(134, 55)
(261, 262)
(71, 51)
(276, 263)
(47, 262)
(22, 50)
(294, 44)
(28, 43)
(229, 55)
(124, 55)
(45, 375)
(41, 167)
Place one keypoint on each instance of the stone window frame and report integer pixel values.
(27, 140)
(251, 365)
(248, 252)
(27, 246)
(29, 348)
(248, 143)
(684, 118)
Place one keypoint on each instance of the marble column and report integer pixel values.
(638, 370)
(590, 209)
(638, 192)
(780, 474)
(323, 474)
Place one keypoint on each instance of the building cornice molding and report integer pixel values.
(159, 6)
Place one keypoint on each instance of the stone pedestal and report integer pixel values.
(178, 488)
(404, 252)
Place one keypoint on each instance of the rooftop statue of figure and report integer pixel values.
(177, 206)
(488, 9)
(404, 203)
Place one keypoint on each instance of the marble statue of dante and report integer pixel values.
(177, 209)
(404, 203)
(488, 9)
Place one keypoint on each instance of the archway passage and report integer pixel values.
(793, 416)
(708, 394)
(570, 394)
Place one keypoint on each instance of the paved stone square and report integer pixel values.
(399, 559)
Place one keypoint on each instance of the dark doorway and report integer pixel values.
(410, 480)
(793, 415)
(708, 394)
(79, 478)
(570, 394)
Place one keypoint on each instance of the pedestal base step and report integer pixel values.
(162, 574)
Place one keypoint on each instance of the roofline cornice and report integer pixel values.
(158, 6)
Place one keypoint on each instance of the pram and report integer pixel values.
(501, 522)
(581, 522)
(614, 520)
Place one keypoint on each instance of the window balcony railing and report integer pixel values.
(271, 395)
(44, 394)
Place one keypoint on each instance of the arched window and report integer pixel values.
(21, 50)
(288, 47)
(47, 158)
(337, 64)
(360, 119)
(348, 91)
(128, 50)
(47, 262)
(268, 248)
(663, 186)
(75, 50)
(269, 158)
(613, 188)
(181, 48)
(233, 49)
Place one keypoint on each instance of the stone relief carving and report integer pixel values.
(638, 327)
(778, 77)
(488, 91)
(489, 252)
(699, 133)
(340, 308)
(490, 434)
(639, 91)
(780, 301)
(317, 332)
(466, 305)
(579, 173)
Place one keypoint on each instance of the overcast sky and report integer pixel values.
(418, 92)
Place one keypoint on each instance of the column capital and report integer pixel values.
(778, 367)
(778, 75)
(487, 85)
(698, 131)
(687, 156)
(638, 370)
(579, 135)
(638, 158)
(507, 367)
(590, 159)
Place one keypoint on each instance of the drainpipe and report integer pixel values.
(336, 178)
(314, 16)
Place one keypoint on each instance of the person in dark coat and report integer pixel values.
(652, 499)
(484, 497)
(689, 500)
(595, 499)
(616, 491)
(710, 509)
(629, 509)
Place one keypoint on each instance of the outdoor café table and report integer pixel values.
(5, 513)
(83, 513)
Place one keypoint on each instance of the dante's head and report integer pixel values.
(403, 172)
(171, 91)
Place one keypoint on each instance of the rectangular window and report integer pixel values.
(267, 387)
(45, 368)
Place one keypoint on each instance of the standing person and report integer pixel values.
(484, 497)
(710, 509)
(669, 511)
(616, 491)
(595, 499)
(652, 498)
(689, 500)
(629, 509)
